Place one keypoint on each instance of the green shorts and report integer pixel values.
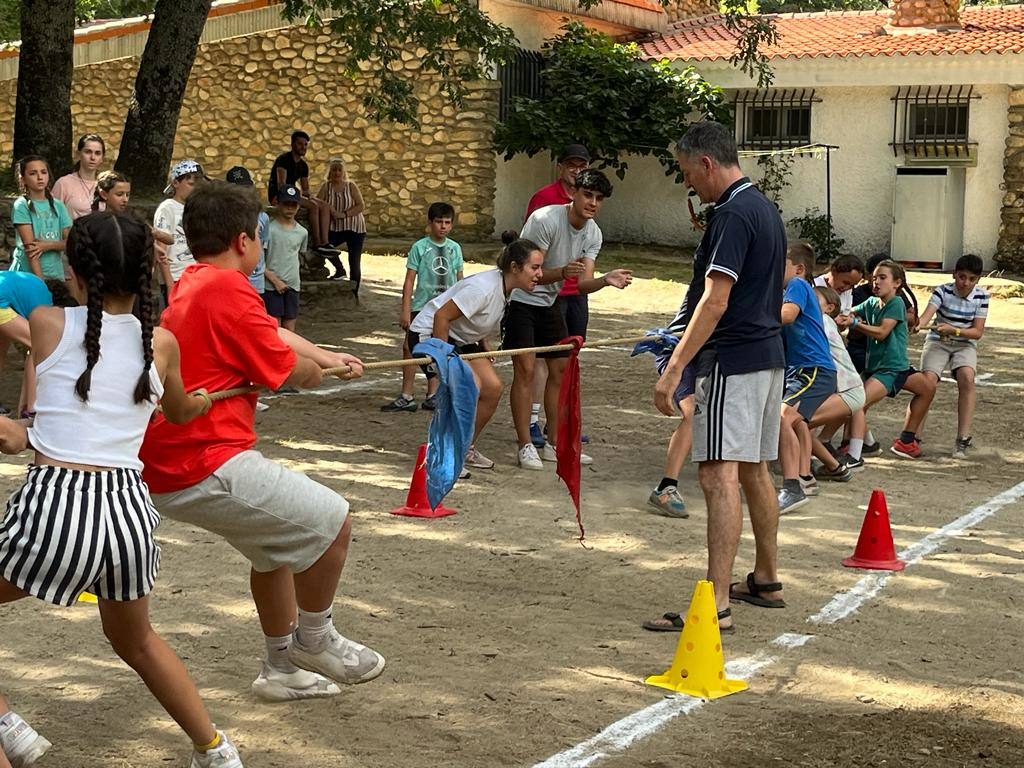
(893, 381)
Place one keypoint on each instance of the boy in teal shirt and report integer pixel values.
(433, 266)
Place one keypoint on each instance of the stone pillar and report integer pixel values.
(678, 10)
(926, 13)
(1010, 250)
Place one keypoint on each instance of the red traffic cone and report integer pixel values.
(875, 549)
(416, 503)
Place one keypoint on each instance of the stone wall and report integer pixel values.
(925, 13)
(1010, 250)
(247, 94)
(677, 10)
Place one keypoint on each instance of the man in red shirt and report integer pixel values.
(294, 531)
(574, 158)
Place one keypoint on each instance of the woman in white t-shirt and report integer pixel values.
(471, 311)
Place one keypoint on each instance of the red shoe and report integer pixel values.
(909, 450)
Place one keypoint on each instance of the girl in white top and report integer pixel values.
(83, 519)
(78, 188)
(471, 311)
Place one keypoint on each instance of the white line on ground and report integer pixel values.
(621, 734)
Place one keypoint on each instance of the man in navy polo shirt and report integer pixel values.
(733, 334)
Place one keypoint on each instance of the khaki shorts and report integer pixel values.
(854, 398)
(273, 516)
(736, 418)
(6, 315)
(940, 355)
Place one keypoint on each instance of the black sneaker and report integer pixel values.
(400, 403)
(430, 403)
(854, 465)
(871, 450)
(961, 447)
(841, 474)
(339, 275)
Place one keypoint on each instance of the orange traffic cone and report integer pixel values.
(875, 549)
(416, 503)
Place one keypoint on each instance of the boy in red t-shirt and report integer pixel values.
(294, 531)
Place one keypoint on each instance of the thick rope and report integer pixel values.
(383, 364)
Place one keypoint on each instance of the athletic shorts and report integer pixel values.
(893, 381)
(940, 355)
(284, 306)
(736, 418)
(68, 530)
(412, 339)
(808, 388)
(576, 313)
(527, 325)
(687, 382)
(272, 515)
(6, 315)
(854, 398)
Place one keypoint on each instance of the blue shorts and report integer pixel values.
(284, 306)
(807, 388)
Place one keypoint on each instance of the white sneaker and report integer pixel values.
(340, 659)
(20, 742)
(275, 685)
(528, 458)
(261, 406)
(477, 460)
(224, 755)
(550, 455)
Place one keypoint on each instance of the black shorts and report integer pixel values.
(527, 325)
(284, 306)
(412, 339)
(576, 314)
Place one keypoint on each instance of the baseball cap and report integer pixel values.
(574, 150)
(239, 175)
(288, 194)
(183, 168)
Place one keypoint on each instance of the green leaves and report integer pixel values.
(454, 39)
(816, 228)
(602, 94)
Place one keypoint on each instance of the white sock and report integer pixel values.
(277, 653)
(854, 448)
(869, 438)
(314, 628)
(534, 413)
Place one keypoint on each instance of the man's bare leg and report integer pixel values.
(720, 482)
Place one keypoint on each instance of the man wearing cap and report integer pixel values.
(573, 159)
(290, 169)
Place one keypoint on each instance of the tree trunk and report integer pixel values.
(42, 115)
(152, 120)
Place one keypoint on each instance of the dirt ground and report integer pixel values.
(507, 642)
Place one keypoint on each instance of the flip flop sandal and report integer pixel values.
(676, 622)
(753, 595)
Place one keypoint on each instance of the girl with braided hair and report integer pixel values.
(83, 520)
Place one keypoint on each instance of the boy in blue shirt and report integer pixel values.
(433, 266)
(810, 376)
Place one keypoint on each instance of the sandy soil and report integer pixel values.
(507, 642)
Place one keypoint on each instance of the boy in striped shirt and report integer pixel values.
(959, 309)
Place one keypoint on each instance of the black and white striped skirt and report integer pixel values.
(67, 531)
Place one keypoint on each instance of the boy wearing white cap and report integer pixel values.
(182, 180)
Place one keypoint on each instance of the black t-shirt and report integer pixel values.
(746, 240)
(294, 170)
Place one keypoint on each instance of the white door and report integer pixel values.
(919, 216)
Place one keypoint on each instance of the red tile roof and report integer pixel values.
(994, 29)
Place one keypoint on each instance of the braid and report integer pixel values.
(49, 197)
(143, 390)
(86, 249)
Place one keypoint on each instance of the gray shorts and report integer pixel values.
(940, 355)
(854, 398)
(272, 515)
(736, 418)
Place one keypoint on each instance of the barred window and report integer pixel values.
(933, 121)
(773, 119)
(520, 76)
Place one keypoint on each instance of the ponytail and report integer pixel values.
(517, 250)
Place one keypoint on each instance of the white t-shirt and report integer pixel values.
(168, 218)
(480, 297)
(846, 375)
(550, 229)
(845, 298)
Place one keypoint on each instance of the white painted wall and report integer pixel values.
(516, 181)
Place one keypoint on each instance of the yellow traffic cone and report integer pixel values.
(698, 667)
(87, 597)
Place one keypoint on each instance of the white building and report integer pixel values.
(925, 120)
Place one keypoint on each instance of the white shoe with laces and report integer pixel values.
(340, 659)
(528, 458)
(224, 755)
(20, 742)
(477, 460)
(275, 685)
(550, 455)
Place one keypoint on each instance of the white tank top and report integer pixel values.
(106, 431)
